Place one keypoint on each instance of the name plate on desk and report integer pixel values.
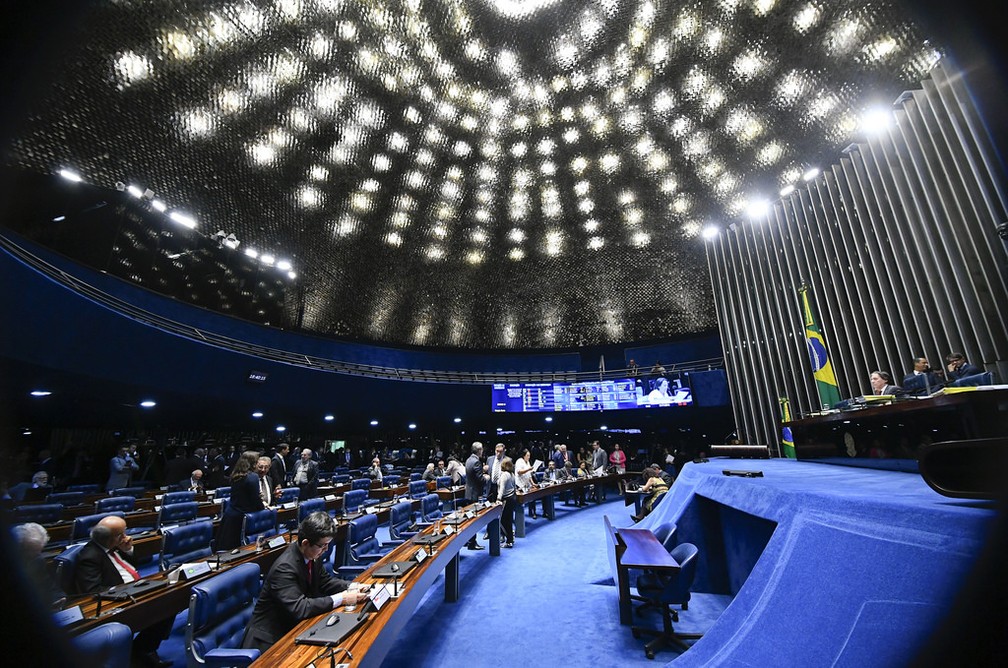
(370, 510)
(194, 570)
(276, 541)
(420, 556)
(158, 497)
(470, 514)
(68, 616)
(330, 497)
(449, 530)
(289, 505)
(218, 501)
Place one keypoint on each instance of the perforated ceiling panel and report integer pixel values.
(473, 174)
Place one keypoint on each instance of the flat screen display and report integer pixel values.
(596, 395)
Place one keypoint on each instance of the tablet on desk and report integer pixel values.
(323, 633)
(390, 570)
(123, 592)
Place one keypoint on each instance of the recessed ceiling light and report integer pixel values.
(40, 393)
(147, 403)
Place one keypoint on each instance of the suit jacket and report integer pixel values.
(120, 470)
(966, 369)
(890, 390)
(278, 471)
(95, 572)
(599, 459)
(308, 489)
(287, 597)
(474, 478)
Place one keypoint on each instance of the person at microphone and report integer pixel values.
(298, 586)
(922, 381)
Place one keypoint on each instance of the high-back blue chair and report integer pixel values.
(391, 479)
(666, 535)
(361, 483)
(416, 475)
(417, 489)
(107, 645)
(663, 590)
(41, 513)
(353, 500)
(442, 482)
(178, 497)
(186, 543)
(363, 547)
(430, 509)
(87, 489)
(288, 494)
(219, 610)
(66, 498)
(82, 525)
(222, 493)
(260, 523)
(66, 569)
(400, 521)
(129, 491)
(177, 513)
(109, 504)
(341, 479)
(309, 506)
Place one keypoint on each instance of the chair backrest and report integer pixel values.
(66, 569)
(415, 476)
(442, 482)
(107, 645)
(430, 507)
(219, 610)
(42, 513)
(177, 497)
(677, 589)
(361, 536)
(177, 513)
(341, 479)
(309, 506)
(129, 491)
(87, 489)
(66, 498)
(185, 543)
(400, 519)
(353, 499)
(260, 523)
(222, 493)
(666, 534)
(361, 483)
(82, 524)
(288, 494)
(390, 479)
(417, 489)
(109, 503)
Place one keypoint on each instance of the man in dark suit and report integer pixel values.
(299, 586)
(476, 478)
(278, 470)
(194, 483)
(959, 369)
(881, 383)
(922, 380)
(306, 475)
(108, 560)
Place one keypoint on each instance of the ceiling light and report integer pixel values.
(710, 232)
(257, 414)
(281, 428)
(329, 418)
(70, 175)
(40, 393)
(147, 403)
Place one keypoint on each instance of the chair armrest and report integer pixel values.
(223, 657)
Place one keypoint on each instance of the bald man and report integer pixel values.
(108, 560)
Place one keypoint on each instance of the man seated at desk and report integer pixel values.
(107, 560)
(298, 586)
(959, 370)
(922, 381)
(881, 384)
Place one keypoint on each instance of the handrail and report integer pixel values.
(315, 363)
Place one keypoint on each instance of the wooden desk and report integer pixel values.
(388, 492)
(370, 643)
(637, 548)
(548, 492)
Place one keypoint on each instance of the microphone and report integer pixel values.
(395, 579)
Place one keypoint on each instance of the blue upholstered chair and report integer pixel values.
(288, 494)
(109, 504)
(177, 497)
(309, 506)
(87, 489)
(172, 514)
(66, 569)
(260, 523)
(107, 645)
(666, 534)
(186, 543)
(129, 491)
(363, 547)
(430, 509)
(400, 521)
(41, 513)
(416, 475)
(222, 493)
(82, 525)
(417, 489)
(361, 483)
(390, 480)
(341, 479)
(66, 498)
(442, 482)
(353, 500)
(219, 610)
(663, 590)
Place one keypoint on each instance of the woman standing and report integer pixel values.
(507, 494)
(245, 498)
(523, 471)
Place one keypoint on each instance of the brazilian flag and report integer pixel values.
(787, 440)
(829, 391)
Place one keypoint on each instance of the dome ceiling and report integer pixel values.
(472, 174)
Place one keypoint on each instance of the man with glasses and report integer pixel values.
(299, 586)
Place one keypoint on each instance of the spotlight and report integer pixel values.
(710, 232)
(70, 175)
(40, 393)
(147, 403)
(329, 418)
(257, 414)
(374, 423)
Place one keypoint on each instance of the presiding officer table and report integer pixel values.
(368, 644)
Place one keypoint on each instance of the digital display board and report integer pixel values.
(594, 395)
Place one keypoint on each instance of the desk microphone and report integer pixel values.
(395, 579)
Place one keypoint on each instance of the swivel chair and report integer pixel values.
(219, 610)
(107, 645)
(664, 591)
(185, 543)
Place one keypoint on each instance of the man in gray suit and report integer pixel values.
(476, 479)
(881, 383)
(121, 469)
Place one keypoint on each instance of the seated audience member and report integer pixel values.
(39, 488)
(654, 486)
(108, 560)
(456, 470)
(959, 369)
(299, 586)
(195, 482)
(440, 469)
(429, 475)
(375, 472)
(881, 384)
(31, 539)
(922, 380)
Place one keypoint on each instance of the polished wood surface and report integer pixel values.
(640, 549)
(369, 644)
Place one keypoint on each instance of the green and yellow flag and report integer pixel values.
(829, 391)
(787, 440)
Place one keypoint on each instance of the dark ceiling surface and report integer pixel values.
(472, 174)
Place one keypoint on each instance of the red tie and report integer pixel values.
(129, 569)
